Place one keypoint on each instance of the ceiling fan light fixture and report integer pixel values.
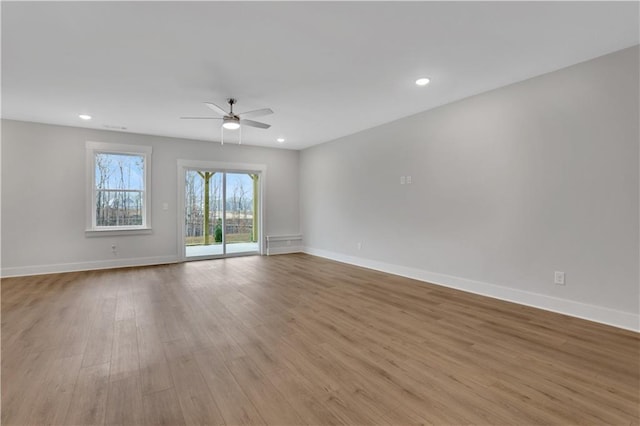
(231, 123)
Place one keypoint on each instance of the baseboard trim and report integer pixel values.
(284, 250)
(620, 319)
(20, 271)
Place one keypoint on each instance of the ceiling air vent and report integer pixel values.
(112, 127)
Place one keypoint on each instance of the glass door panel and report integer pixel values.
(241, 229)
(203, 213)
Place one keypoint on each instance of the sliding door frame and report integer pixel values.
(222, 167)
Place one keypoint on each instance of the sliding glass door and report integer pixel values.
(221, 213)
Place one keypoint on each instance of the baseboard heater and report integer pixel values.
(282, 244)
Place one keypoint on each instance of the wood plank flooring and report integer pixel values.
(296, 339)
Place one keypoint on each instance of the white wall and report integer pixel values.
(43, 197)
(508, 187)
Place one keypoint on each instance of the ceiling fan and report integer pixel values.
(233, 121)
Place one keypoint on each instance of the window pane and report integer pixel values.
(119, 208)
(119, 171)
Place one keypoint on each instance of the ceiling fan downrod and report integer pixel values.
(231, 101)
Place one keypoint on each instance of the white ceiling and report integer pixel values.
(326, 69)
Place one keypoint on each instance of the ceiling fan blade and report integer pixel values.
(255, 124)
(216, 108)
(201, 118)
(256, 113)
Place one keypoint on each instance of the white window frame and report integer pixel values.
(94, 148)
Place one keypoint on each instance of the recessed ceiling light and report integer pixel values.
(280, 140)
(85, 116)
(422, 81)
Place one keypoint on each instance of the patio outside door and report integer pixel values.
(220, 213)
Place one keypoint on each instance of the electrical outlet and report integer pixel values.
(402, 180)
(408, 180)
(558, 278)
(114, 249)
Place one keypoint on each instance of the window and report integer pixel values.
(119, 187)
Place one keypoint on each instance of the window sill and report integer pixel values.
(116, 232)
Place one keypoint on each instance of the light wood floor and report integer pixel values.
(297, 339)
